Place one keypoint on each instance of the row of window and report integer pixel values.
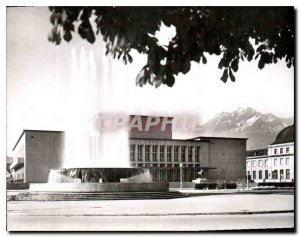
(258, 153)
(162, 153)
(267, 175)
(264, 152)
(287, 150)
(164, 165)
(265, 162)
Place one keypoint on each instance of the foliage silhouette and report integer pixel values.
(223, 31)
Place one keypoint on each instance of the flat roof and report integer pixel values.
(29, 130)
(261, 149)
(165, 139)
(204, 137)
(195, 139)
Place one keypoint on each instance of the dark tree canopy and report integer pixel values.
(223, 31)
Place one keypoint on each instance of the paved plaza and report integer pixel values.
(208, 212)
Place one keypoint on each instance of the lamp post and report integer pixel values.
(180, 175)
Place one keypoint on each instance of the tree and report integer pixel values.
(223, 31)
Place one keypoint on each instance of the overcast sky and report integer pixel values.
(42, 80)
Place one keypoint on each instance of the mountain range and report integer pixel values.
(260, 129)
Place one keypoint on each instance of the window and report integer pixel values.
(275, 162)
(254, 163)
(287, 174)
(266, 162)
(249, 175)
(281, 161)
(132, 152)
(147, 153)
(287, 150)
(275, 151)
(281, 150)
(154, 153)
(183, 148)
(266, 174)
(169, 153)
(287, 161)
(281, 174)
(248, 163)
(260, 163)
(275, 174)
(140, 152)
(197, 154)
(162, 153)
(190, 154)
(254, 175)
(176, 153)
(260, 174)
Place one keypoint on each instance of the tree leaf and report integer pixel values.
(67, 36)
(157, 83)
(186, 67)
(261, 62)
(232, 77)
(235, 65)
(170, 80)
(204, 60)
(225, 75)
(124, 59)
(129, 58)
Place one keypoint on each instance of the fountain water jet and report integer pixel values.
(96, 161)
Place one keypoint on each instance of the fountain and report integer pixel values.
(82, 180)
(96, 161)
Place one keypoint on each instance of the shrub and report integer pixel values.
(216, 185)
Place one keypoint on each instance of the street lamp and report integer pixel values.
(180, 175)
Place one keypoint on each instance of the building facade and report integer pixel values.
(35, 153)
(275, 163)
(168, 160)
(217, 158)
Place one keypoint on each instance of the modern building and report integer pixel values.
(275, 163)
(168, 159)
(218, 158)
(35, 153)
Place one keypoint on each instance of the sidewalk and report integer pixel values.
(194, 205)
(195, 192)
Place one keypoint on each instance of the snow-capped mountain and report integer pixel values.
(260, 129)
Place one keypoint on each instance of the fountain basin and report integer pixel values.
(99, 187)
(99, 175)
(95, 180)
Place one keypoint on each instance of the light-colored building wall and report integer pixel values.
(280, 160)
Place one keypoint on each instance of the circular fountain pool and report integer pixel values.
(100, 180)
